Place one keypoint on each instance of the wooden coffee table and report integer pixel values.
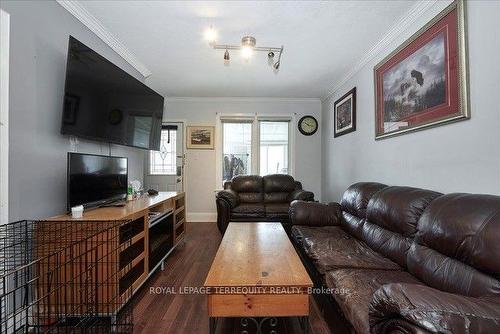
(257, 275)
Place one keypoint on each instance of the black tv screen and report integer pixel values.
(102, 102)
(95, 180)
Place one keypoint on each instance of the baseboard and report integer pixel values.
(201, 217)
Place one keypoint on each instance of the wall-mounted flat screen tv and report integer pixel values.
(102, 102)
(95, 180)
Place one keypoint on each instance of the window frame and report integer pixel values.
(252, 130)
(255, 119)
(276, 119)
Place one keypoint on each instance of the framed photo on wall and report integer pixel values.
(200, 137)
(423, 83)
(344, 114)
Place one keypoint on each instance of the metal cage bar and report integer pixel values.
(63, 277)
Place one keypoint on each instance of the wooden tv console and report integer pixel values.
(154, 227)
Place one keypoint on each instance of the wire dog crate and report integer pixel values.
(61, 277)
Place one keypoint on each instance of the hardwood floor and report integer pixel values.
(182, 312)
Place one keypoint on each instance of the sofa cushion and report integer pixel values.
(448, 274)
(249, 188)
(277, 188)
(276, 197)
(355, 289)
(391, 220)
(330, 248)
(247, 184)
(248, 210)
(457, 247)
(352, 224)
(276, 210)
(432, 311)
(278, 183)
(390, 244)
(398, 209)
(356, 197)
(314, 213)
(300, 232)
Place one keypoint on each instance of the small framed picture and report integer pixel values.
(200, 137)
(344, 111)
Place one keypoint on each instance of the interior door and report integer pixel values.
(164, 169)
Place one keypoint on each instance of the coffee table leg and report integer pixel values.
(212, 324)
(304, 324)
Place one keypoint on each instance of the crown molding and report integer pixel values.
(243, 99)
(76, 9)
(395, 31)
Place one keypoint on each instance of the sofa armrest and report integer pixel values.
(422, 307)
(314, 214)
(301, 195)
(230, 196)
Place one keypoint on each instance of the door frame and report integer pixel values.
(4, 115)
(183, 138)
(183, 144)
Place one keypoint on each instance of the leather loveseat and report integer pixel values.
(248, 198)
(403, 260)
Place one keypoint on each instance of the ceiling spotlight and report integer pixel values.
(246, 52)
(277, 64)
(247, 48)
(248, 41)
(247, 45)
(210, 36)
(226, 58)
(270, 58)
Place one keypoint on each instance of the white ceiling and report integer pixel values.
(322, 40)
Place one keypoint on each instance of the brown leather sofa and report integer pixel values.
(403, 260)
(253, 198)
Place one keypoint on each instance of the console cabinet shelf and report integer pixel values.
(153, 227)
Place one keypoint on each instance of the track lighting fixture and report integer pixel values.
(277, 64)
(226, 58)
(211, 35)
(270, 58)
(247, 48)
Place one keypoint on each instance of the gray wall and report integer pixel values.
(458, 157)
(37, 155)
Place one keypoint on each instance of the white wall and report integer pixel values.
(201, 164)
(457, 157)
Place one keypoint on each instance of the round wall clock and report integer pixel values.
(308, 125)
